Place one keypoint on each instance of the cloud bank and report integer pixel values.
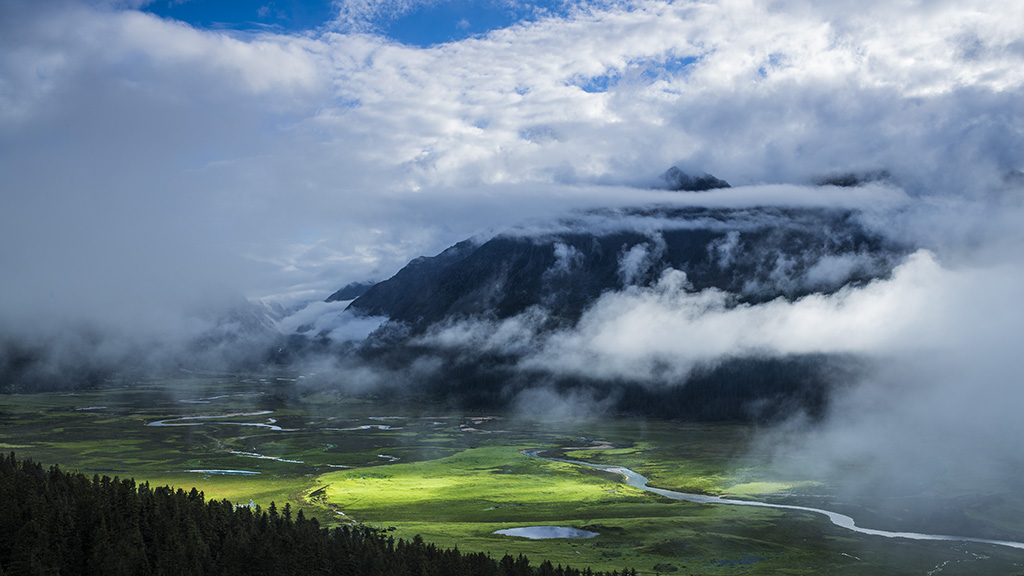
(150, 169)
(276, 164)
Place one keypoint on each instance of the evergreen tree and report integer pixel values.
(53, 522)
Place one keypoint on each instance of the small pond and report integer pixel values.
(544, 532)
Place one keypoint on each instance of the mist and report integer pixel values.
(929, 407)
(177, 197)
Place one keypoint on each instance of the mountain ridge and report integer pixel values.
(755, 255)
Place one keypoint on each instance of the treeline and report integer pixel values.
(56, 522)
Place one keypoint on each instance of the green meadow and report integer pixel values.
(456, 477)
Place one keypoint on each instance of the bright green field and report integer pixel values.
(455, 478)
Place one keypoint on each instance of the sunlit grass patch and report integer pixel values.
(240, 490)
(751, 489)
(480, 484)
(429, 475)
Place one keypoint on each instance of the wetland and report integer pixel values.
(468, 478)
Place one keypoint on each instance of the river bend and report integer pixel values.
(639, 481)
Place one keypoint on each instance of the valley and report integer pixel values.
(457, 477)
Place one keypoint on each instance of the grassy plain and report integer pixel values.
(456, 477)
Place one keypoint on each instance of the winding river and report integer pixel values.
(180, 421)
(631, 478)
(841, 520)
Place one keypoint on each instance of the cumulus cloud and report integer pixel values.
(148, 164)
(938, 415)
(635, 262)
(659, 334)
(253, 142)
(816, 89)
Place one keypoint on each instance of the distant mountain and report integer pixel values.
(350, 291)
(677, 180)
(853, 179)
(477, 323)
(554, 275)
(755, 254)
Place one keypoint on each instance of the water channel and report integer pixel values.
(639, 481)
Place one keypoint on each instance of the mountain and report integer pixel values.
(476, 323)
(350, 291)
(754, 254)
(853, 179)
(677, 180)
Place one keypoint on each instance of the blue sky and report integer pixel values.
(453, 20)
(282, 15)
(413, 23)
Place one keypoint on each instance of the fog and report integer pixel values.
(935, 404)
(163, 185)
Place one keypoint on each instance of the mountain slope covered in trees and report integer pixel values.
(486, 315)
(755, 254)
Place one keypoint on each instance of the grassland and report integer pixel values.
(457, 477)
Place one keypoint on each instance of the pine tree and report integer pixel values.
(53, 522)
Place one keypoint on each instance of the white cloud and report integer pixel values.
(635, 262)
(815, 89)
(637, 333)
(134, 143)
(938, 413)
(146, 165)
(567, 258)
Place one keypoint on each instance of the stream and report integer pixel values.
(639, 481)
(180, 421)
(631, 478)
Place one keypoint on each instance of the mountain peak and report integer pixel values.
(676, 180)
(350, 291)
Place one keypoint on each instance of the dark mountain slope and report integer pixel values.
(755, 254)
(544, 280)
(676, 179)
(350, 291)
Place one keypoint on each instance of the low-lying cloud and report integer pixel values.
(660, 333)
(152, 172)
(933, 409)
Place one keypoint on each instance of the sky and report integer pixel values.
(283, 149)
(156, 154)
(420, 24)
(166, 156)
(159, 160)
